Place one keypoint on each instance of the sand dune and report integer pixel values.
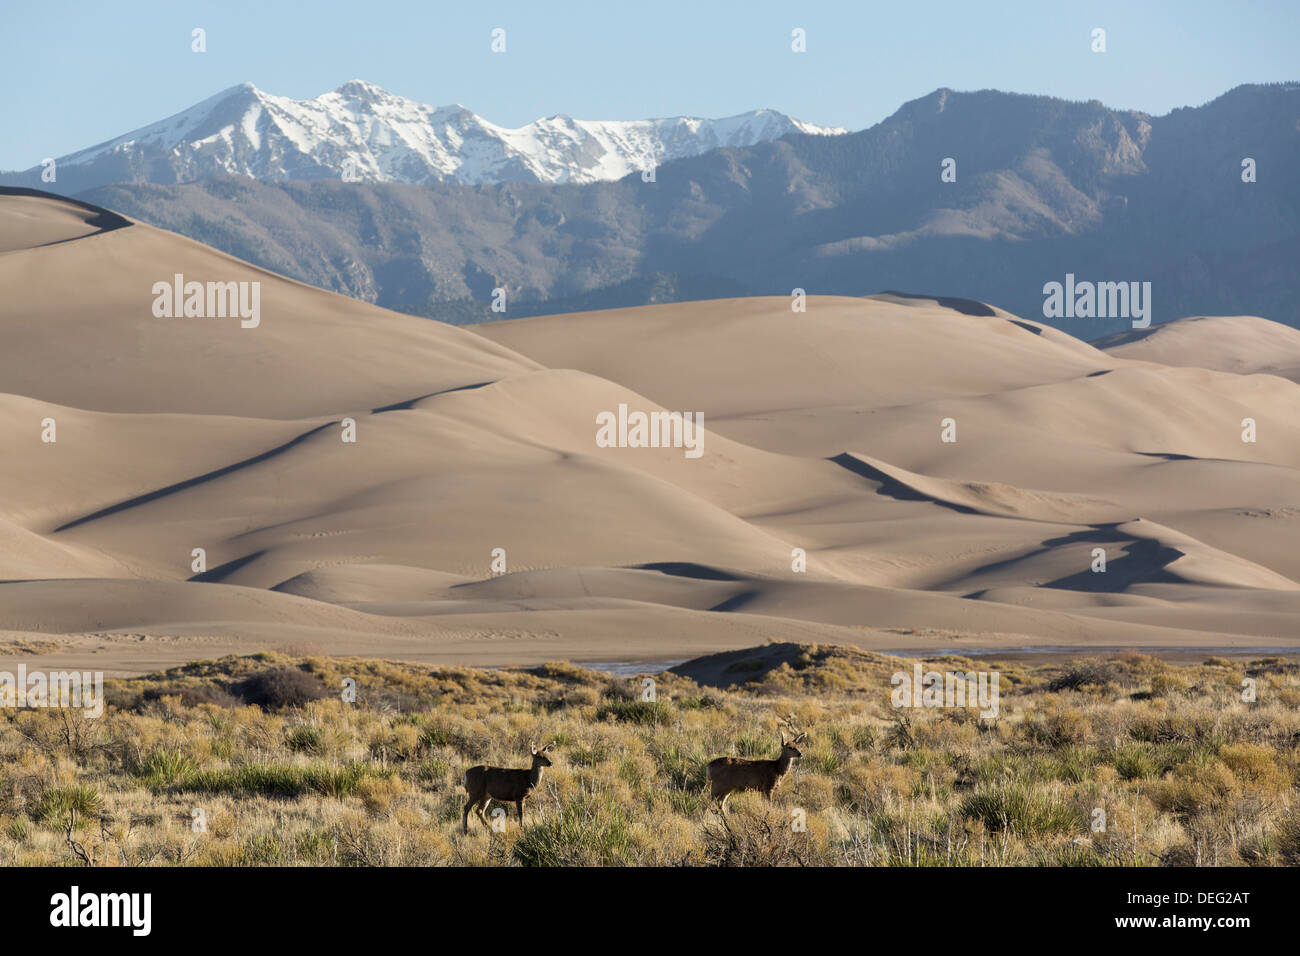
(1228, 343)
(755, 357)
(29, 219)
(85, 308)
(476, 518)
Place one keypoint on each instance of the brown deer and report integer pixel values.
(485, 784)
(729, 774)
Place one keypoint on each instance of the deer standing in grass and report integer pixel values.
(729, 774)
(485, 784)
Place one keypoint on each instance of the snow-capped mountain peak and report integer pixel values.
(363, 132)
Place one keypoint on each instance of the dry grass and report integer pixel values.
(1184, 771)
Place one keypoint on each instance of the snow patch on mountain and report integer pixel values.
(376, 136)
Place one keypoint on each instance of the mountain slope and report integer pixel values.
(370, 135)
(1044, 188)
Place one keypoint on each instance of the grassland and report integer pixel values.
(257, 760)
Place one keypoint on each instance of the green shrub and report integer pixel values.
(1136, 763)
(304, 739)
(280, 780)
(440, 735)
(79, 800)
(641, 712)
(1072, 764)
(698, 702)
(166, 768)
(1020, 809)
(590, 831)
(684, 769)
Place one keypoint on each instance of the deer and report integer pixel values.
(485, 784)
(729, 774)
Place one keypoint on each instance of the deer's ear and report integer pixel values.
(783, 738)
(799, 738)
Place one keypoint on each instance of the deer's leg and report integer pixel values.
(519, 804)
(464, 817)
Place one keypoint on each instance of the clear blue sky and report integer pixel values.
(81, 72)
